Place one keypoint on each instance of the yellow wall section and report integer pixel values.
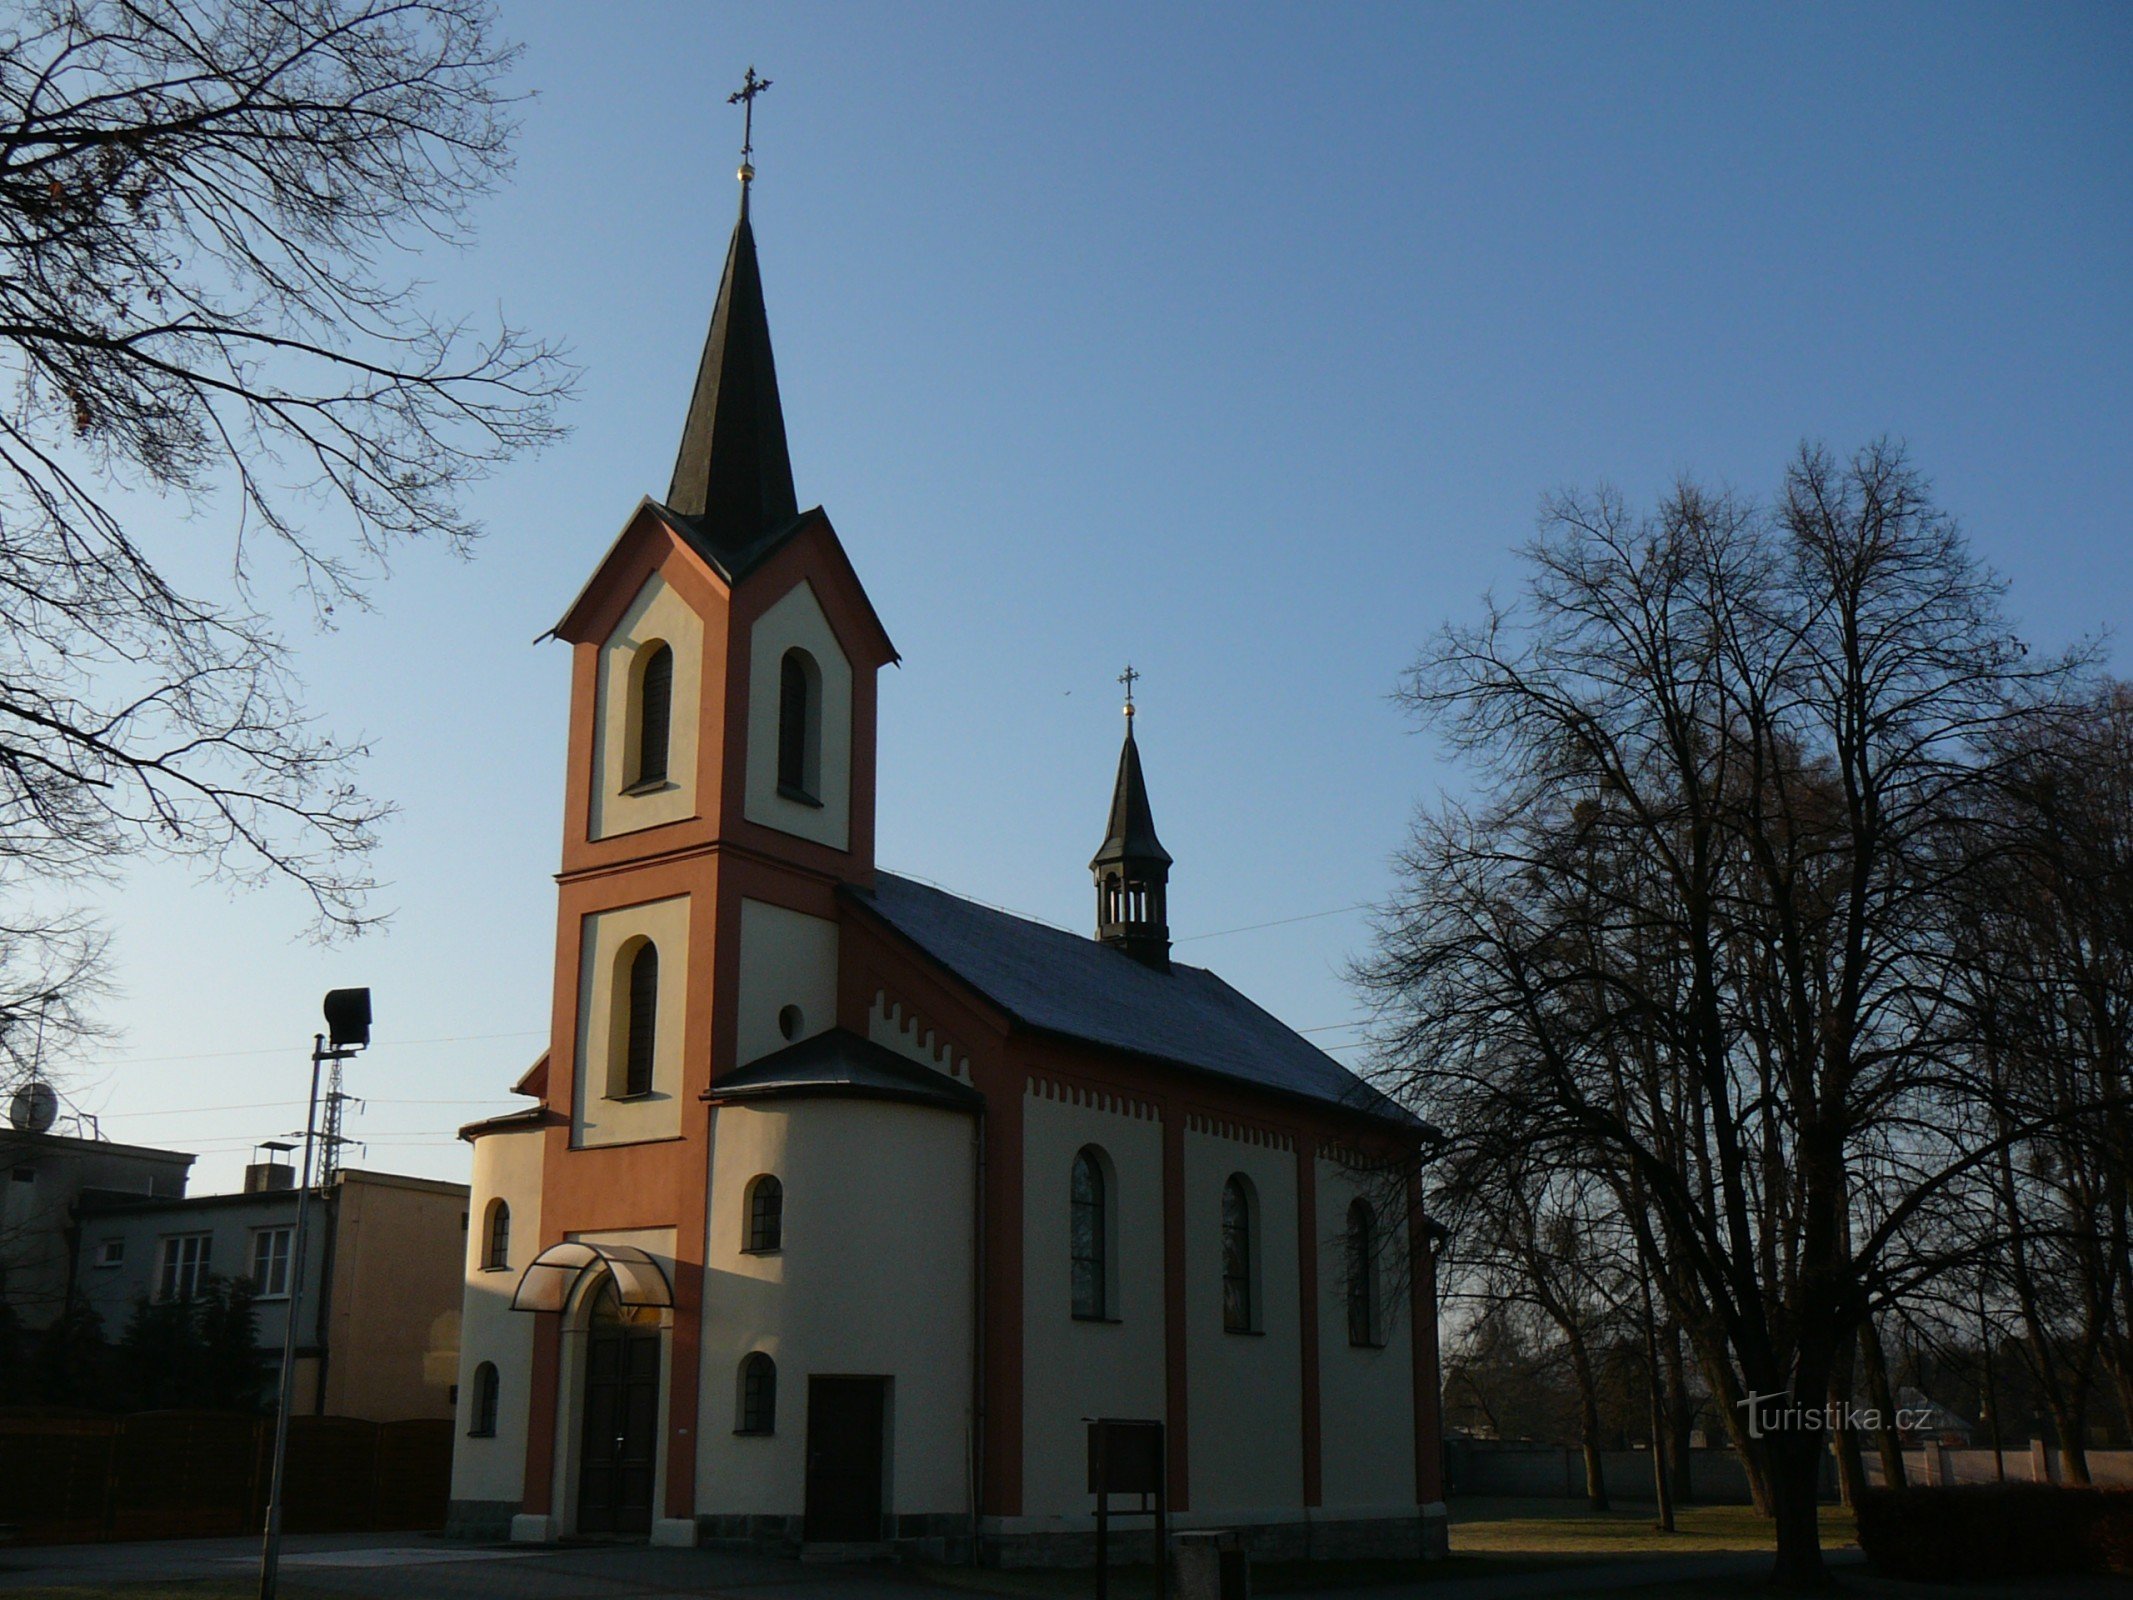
(1365, 1397)
(797, 619)
(787, 958)
(599, 1119)
(658, 614)
(1073, 1370)
(507, 1166)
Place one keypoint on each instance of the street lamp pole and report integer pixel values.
(348, 1022)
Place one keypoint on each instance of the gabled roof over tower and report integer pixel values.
(734, 472)
(1131, 836)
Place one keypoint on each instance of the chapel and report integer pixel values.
(842, 1204)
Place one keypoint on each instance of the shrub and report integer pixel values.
(1996, 1530)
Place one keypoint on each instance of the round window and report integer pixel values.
(789, 1022)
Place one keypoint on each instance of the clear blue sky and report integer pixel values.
(1240, 342)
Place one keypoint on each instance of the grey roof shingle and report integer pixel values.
(837, 1062)
(1065, 984)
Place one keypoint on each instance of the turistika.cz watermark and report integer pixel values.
(1783, 1413)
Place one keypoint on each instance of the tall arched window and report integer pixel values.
(481, 1415)
(1240, 1261)
(1089, 1237)
(641, 1026)
(766, 1214)
(496, 1243)
(800, 727)
(1363, 1276)
(758, 1408)
(655, 712)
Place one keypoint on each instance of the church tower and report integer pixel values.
(1131, 867)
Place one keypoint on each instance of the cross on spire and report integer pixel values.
(744, 97)
(1129, 678)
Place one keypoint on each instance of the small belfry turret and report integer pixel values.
(1131, 868)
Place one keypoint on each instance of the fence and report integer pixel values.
(191, 1474)
(1552, 1472)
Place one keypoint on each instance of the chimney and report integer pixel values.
(273, 1173)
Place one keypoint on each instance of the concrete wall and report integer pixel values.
(1073, 1370)
(42, 1175)
(489, 1472)
(797, 620)
(1550, 1472)
(610, 942)
(658, 616)
(873, 1278)
(1246, 1389)
(1365, 1396)
(393, 1296)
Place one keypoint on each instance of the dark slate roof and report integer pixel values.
(734, 471)
(1131, 834)
(1062, 983)
(842, 1063)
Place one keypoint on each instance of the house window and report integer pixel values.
(1239, 1257)
(496, 1251)
(111, 1253)
(185, 1266)
(1363, 1277)
(270, 1261)
(1089, 1236)
(641, 1023)
(481, 1419)
(758, 1410)
(766, 1215)
(800, 728)
(655, 712)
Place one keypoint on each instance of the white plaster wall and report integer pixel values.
(507, 1166)
(787, 958)
(1244, 1390)
(874, 1280)
(1073, 1370)
(598, 1118)
(797, 619)
(1365, 1397)
(570, 1375)
(894, 1026)
(657, 615)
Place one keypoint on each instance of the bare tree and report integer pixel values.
(1728, 759)
(205, 211)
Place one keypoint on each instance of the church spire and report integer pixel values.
(1131, 867)
(734, 471)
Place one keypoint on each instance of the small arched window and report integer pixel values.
(1240, 1307)
(1089, 1236)
(655, 713)
(481, 1415)
(1363, 1277)
(496, 1241)
(766, 1215)
(757, 1411)
(641, 1025)
(800, 727)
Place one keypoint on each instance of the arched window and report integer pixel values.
(1240, 1257)
(641, 1026)
(800, 727)
(1363, 1276)
(481, 1416)
(758, 1408)
(655, 711)
(766, 1215)
(496, 1245)
(1089, 1236)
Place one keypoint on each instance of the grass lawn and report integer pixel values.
(1557, 1528)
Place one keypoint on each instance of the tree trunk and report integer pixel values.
(1726, 1395)
(1795, 1467)
(1677, 1415)
(1589, 1420)
(1883, 1402)
(1844, 1438)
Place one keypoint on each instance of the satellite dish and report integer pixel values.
(35, 1107)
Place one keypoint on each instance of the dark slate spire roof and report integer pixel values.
(734, 473)
(1055, 982)
(1132, 833)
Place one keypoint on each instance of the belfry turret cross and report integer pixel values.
(1129, 678)
(744, 97)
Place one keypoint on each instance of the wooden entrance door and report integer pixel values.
(621, 1418)
(844, 1466)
